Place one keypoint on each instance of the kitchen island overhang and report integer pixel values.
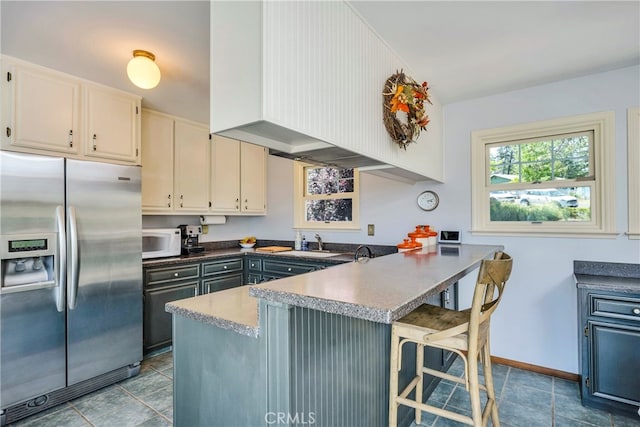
(313, 347)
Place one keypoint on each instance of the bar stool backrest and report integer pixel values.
(492, 277)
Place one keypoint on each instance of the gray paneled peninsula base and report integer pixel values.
(308, 349)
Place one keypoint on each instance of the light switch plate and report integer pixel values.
(371, 229)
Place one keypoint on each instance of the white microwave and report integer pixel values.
(160, 242)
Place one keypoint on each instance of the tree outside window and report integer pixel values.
(326, 197)
(552, 177)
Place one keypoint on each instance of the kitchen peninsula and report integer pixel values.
(307, 349)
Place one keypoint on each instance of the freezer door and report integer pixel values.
(104, 290)
(32, 336)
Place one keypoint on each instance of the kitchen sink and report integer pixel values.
(308, 254)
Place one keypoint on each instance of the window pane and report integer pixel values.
(549, 204)
(340, 210)
(320, 180)
(558, 157)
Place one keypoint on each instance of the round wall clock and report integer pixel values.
(428, 200)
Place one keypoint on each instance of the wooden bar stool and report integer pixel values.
(463, 332)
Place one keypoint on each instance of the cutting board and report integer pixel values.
(274, 249)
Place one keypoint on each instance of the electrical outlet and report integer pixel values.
(205, 229)
(371, 229)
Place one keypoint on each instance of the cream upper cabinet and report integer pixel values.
(113, 124)
(225, 175)
(42, 109)
(185, 172)
(50, 112)
(238, 177)
(253, 178)
(157, 162)
(191, 173)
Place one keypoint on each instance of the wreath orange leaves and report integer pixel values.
(403, 108)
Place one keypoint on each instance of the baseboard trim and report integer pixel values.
(535, 368)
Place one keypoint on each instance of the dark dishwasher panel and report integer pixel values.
(157, 322)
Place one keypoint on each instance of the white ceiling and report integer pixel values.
(463, 49)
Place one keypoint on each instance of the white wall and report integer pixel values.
(537, 322)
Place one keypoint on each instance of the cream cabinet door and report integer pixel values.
(113, 124)
(253, 178)
(225, 175)
(157, 162)
(192, 153)
(44, 109)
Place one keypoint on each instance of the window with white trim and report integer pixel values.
(554, 177)
(633, 171)
(326, 197)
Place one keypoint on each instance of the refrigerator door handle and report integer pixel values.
(72, 292)
(62, 259)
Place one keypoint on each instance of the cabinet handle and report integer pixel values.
(636, 311)
(208, 288)
(70, 137)
(169, 202)
(94, 141)
(289, 269)
(175, 274)
(446, 296)
(181, 199)
(224, 267)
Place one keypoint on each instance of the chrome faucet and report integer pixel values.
(319, 239)
(357, 257)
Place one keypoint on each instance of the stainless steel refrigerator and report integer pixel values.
(71, 279)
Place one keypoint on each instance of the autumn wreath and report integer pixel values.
(403, 112)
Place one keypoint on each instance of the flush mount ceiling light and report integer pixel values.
(142, 70)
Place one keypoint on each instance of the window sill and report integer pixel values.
(575, 235)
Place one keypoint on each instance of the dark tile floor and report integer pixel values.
(145, 400)
(526, 399)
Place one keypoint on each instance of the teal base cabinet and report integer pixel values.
(306, 367)
(609, 334)
(262, 269)
(162, 285)
(221, 274)
(178, 281)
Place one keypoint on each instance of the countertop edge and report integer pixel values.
(252, 331)
(607, 283)
(334, 307)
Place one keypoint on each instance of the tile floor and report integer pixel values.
(145, 400)
(526, 399)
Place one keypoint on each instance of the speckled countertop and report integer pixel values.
(607, 276)
(229, 309)
(380, 290)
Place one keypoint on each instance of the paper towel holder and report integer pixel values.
(213, 219)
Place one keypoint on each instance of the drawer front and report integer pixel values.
(627, 308)
(171, 274)
(286, 269)
(225, 282)
(254, 264)
(223, 266)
